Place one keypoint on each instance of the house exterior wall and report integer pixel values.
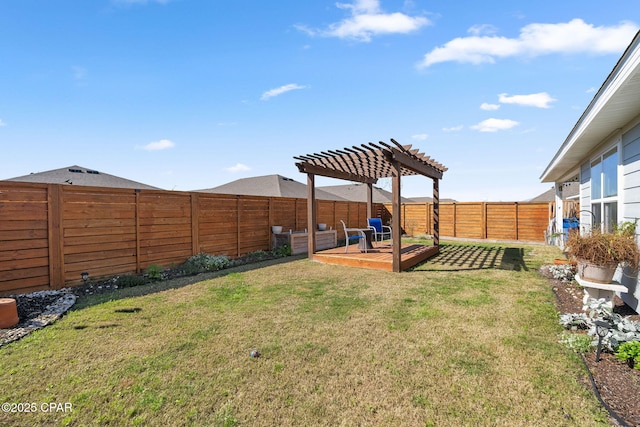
(611, 120)
(631, 206)
(631, 173)
(628, 143)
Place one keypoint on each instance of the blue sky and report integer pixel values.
(191, 94)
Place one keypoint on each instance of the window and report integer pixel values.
(604, 190)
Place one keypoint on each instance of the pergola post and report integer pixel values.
(369, 200)
(311, 214)
(396, 231)
(436, 213)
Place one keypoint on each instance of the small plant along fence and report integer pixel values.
(51, 233)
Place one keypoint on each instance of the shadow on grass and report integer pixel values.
(461, 258)
(179, 282)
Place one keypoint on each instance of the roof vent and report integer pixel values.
(93, 172)
(284, 178)
(75, 170)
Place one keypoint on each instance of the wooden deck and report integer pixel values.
(379, 258)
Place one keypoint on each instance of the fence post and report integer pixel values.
(195, 223)
(427, 224)
(455, 218)
(239, 220)
(485, 232)
(137, 193)
(55, 236)
(517, 222)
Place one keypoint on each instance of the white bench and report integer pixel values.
(600, 290)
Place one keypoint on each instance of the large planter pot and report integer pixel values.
(8, 313)
(596, 273)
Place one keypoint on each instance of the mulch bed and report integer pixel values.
(617, 384)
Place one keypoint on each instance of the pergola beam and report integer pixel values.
(332, 173)
(414, 165)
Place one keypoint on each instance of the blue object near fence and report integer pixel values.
(567, 224)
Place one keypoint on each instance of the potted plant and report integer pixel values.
(598, 254)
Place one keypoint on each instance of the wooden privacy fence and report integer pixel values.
(51, 233)
(526, 221)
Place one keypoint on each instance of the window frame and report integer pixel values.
(601, 215)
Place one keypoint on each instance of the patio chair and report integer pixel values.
(360, 235)
(379, 232)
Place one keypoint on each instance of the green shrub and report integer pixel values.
(629, 352)
(256, 256)
(203, 262)
(129, 281)
(282, 251)
(580, 343)
(154, 272)
(564, 272)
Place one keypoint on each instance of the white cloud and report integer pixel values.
(453, 129)
(367, 20)
(592, 90)
(239, 167)
(540, 100)
(420, 136)
(494, 125)
(489, 107)
(280, 90)
(2, 123)
(482, 29)
(163, 144)
(575, 36)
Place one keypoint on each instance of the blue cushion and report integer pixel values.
(376, 223)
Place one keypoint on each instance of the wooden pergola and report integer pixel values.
(366, 164)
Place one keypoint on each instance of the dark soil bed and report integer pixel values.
(617, 384)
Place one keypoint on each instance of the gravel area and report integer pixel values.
(39, 309)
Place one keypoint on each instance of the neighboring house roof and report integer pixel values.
(428, 200)
(570, 190)
(358, 193)
(79, 175)
(269, 186)
(615, 104)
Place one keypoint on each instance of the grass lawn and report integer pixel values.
(468, 338)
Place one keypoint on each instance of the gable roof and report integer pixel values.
(269, 186)
(358, 193)
(570, 190)
(79, 175)
(615, 104)
(428, 200)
